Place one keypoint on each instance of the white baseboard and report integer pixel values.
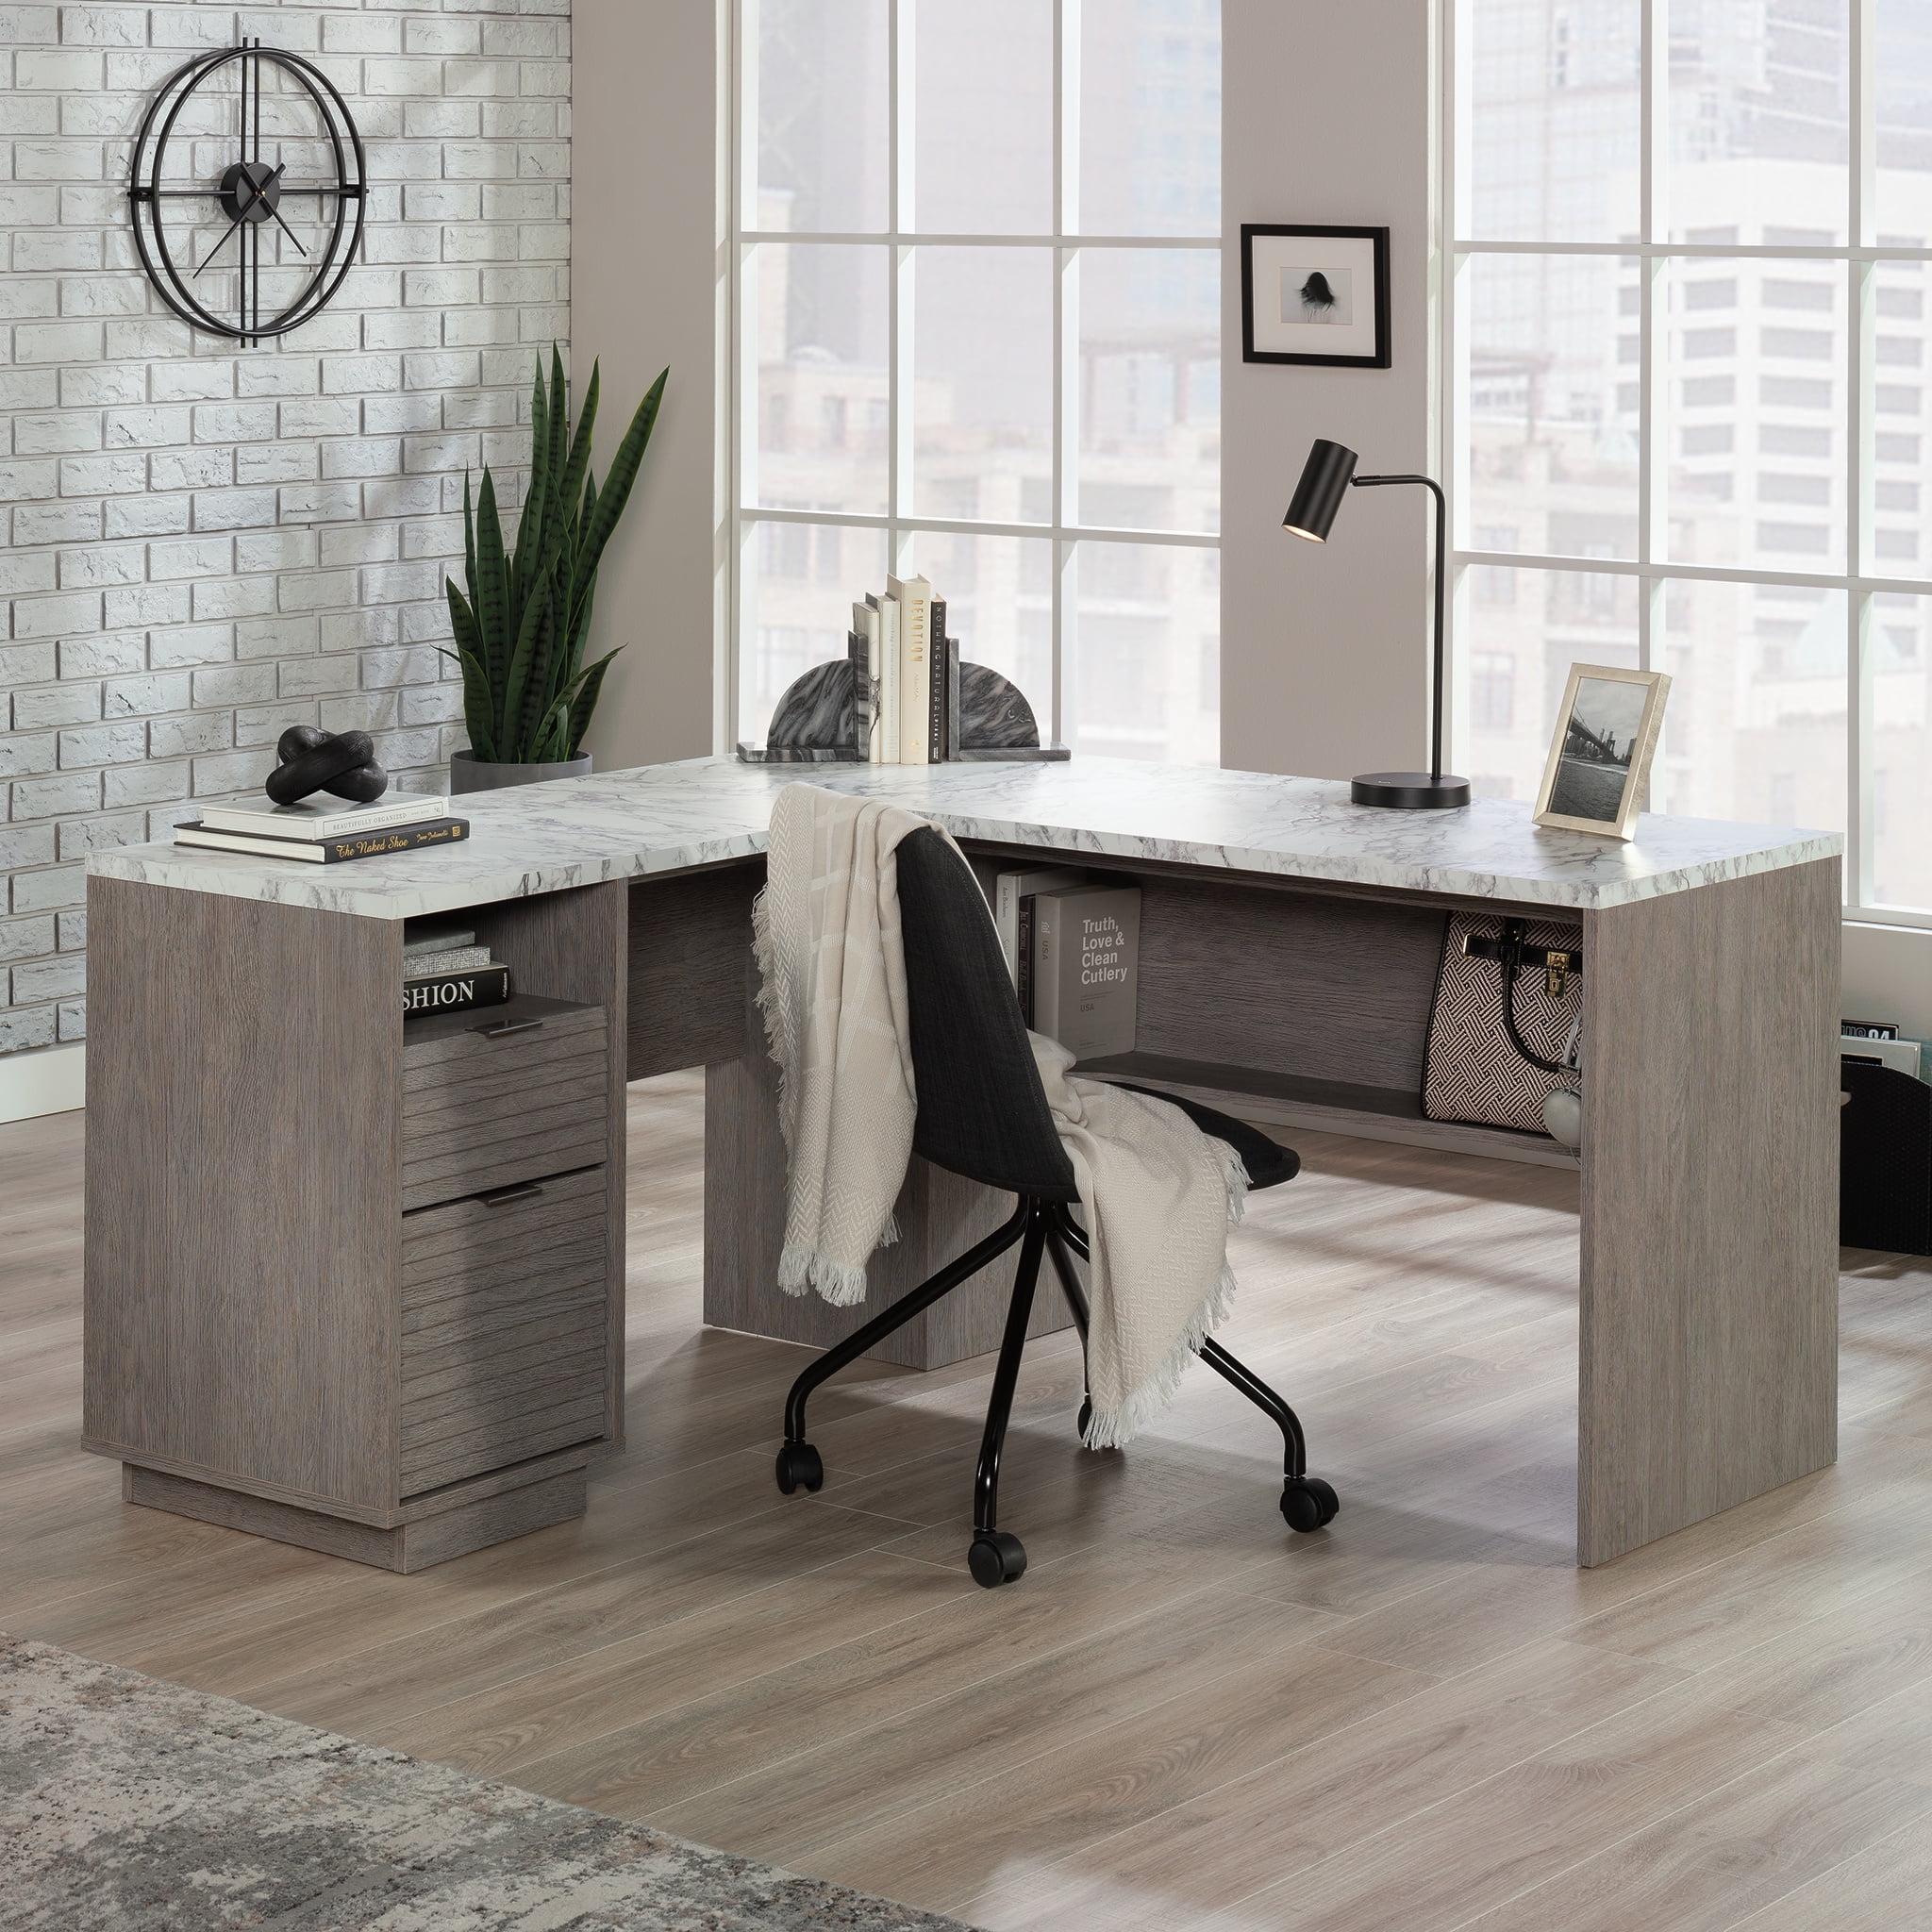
(51, 1081)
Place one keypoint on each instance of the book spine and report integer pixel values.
(452, 960)
(935, 705)
(401, 810)
(865, 672)
(403, 839)
(915, 679)
(1099, 962)
(861, 694)
(889, 679)
(955, 740)
(455, 992)
(1048, 964)
(1006, 919)
(1024, 986)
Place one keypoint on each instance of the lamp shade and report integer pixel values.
(1318, 495)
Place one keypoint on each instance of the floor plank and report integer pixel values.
(1880, 1890)
(1184, 1717)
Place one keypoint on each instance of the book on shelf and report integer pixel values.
(887, 610)
(324, 818)
(865, 627)
(955, 736)
(1012, 908)
(448, 959)
(857, 656)
(335, 851)
(936, 727)
(1902, 1055)
(424, 935)
(1086, 966)
(1023, 986)
(913, 597)
(455, 992)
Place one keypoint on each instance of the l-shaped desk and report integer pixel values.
(358, 1284)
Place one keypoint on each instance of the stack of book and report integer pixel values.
(325, 831)
(1072, 946)
(1879, 1042)
(445, 970)
(906, 672)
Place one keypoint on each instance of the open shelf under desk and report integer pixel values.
(1331, 1106)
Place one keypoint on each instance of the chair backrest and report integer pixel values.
(982, 1112)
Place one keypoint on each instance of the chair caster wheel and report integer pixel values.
(798, 1462)
(996, 1558)
(1308, 1502)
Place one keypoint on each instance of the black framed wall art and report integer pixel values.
(1316, 295)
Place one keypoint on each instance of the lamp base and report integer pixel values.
(1408, 791)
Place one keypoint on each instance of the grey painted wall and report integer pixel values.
(206, 544)
(650, 290)
(1327, 116)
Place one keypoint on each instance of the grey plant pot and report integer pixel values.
(468, 772)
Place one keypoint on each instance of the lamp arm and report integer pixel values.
(1441, 592)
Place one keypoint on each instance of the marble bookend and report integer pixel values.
(816, 721)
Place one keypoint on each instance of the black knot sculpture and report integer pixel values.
(341, 763)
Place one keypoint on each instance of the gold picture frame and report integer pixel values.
(1597, 774)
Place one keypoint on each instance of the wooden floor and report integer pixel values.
(1422, 1718)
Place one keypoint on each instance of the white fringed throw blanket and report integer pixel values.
(1156, 1194)
(1157, 1198)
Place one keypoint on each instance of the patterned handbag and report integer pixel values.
(1509, 992)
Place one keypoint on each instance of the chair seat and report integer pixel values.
(1267, 1161)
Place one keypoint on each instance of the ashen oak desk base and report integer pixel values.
(256, 1270)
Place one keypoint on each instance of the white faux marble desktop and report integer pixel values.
(661, 818)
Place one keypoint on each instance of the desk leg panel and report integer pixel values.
(939, 1214)
(1709, 1202)
(243, 1234)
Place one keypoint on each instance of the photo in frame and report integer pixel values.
(1598, 770)
(1316, 295)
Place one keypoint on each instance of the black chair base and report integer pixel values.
(1046, 1226)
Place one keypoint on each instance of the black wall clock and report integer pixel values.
(248, 200)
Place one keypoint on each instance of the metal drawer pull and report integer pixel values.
(504, 1027)
(502, 1197)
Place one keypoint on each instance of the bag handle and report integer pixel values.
(1509, 958)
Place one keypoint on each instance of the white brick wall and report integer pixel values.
(206, 545)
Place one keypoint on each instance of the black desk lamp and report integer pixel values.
(1325, 478)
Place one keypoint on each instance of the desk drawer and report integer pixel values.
(506, 1313)
(515, 1093)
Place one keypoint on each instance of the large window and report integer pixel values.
(978, 337)
(1688, 400)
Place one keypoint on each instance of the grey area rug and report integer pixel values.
(127, 1803)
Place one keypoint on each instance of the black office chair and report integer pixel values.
(983, 1113)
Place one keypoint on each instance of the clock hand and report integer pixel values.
(217, 248)
(275, 213)
(253, 195)
(286, 229)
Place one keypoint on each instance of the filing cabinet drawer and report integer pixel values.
(501, 1096)
(506, 1329)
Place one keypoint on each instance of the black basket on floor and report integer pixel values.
(1885, 1172)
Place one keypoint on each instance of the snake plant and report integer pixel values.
(521, 626)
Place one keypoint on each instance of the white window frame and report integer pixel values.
(1066, 245)
(1654, 250)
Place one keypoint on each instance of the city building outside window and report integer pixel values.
(1685, 381)
(989, 232)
